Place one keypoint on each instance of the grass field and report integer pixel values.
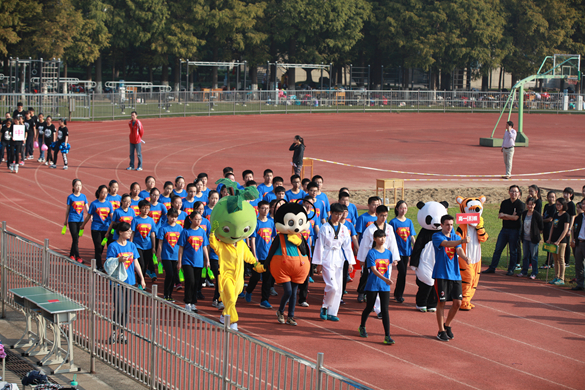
(493, 225)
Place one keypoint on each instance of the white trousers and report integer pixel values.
(333, 278)
(508, 159)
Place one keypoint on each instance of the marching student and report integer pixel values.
(165, 197)
(204, 177)
(150, 182)
(180, 187)
(295, 194)
(100, 215)
(193, 256)
(144, 237)
(135, 197)
(310, 236)
(157, 209)
(212, 200)
(125, 251)
(363, 222)
(379, 262)
(189, 200)
(62, 139)
(40, 136)
(352, 214)
(200, 195)
(328, 256)
(50, 137)
(354, 247)
(447, 245)
(113, 196)
(168, 251)
(122, 214)
(76, 204)
(304, 184)
(276, 182)
(405, 236)
(267, 186)
(260, 245)
(317, 179)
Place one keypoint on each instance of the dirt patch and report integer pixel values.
(494, 195)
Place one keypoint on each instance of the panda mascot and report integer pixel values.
(477, 234)
(288, 257)
(422, 259)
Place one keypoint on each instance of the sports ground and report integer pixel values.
(521, 333)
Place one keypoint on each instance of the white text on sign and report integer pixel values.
(467, 218)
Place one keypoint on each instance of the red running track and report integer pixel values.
(522, 333)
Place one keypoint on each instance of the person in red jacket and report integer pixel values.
(136, 133)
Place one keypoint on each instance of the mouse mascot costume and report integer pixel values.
(422, 259)
(477, 234)
(288, 258)
(232, 221)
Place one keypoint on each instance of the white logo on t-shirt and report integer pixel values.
(60, 134)
(47, 132)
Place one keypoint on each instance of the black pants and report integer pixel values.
(401, 267)
(214, 265)
(289, 295)
(345, 276)
(363, 278)
(568, 254)
(98, 236)
(29, 144)
(74, 231)
(266, 282)
(51, 155)
(14, 152)
(122, 302)
(145, 260)
(384, 301)
(192, 282)
(171, 273)
(3, 146)
(426, 295)
(303, 290)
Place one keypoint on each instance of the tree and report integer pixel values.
(8, 31)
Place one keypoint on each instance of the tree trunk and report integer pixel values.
(309, 76)
(469, 77)
(253, 78)
(124, 67)
(214, 68)
(65, 85)
(98, 75)
(484, 83)
(405, 77)
(445, 81)
(500, 79)
(150, 74)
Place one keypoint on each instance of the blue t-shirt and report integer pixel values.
(221, 185)
(170, 237)
(446, 261)
(123, 216)
(206, 225)
(115, 200)
(101, 213)
(206, 193)
(76, 206)
(319, 210)
(182, 194)
(254, 203)
(269, 197)
(187, 206)
(264, 233)
(145, 195)
(352, 231)
(403, 231)
(134, 206)
(323, 198)
(117, 250)
(363, 222)
(143, 228)
(202, 198)
(193, 242)
(309, 234)
(263, 189)
(291, 196)
(180, 219)
(165, 201)
(382, 262)
(352, 213)
(157, 212)
(207, 212)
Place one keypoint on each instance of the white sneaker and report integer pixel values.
(194, 308)
(22, 163)
(188, 306)
(53, 166)
(421, 308)
(220, 306)
(221, 320)
(16, 169)
(40, 160)
(65, 168)
(304, 304)
(234, 326)
(46, 163)
(11, 167)
(432, 310)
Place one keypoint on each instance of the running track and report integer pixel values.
(521, 333)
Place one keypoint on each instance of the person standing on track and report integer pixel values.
(508, 148)
(298, 147)
(136, 133)
(76, 204)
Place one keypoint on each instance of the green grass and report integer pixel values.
(493, 225)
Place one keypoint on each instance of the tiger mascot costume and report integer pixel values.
(477, 234)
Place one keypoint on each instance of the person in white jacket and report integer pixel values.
(333, 238)
(368, 240)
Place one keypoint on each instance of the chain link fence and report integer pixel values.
(111, 106)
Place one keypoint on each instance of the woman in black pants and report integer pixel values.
(76, 205)
(100, 213)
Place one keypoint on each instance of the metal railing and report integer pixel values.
(112, 106)
(156, 343)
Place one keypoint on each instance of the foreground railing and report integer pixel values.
(158, 344)
(94, 106)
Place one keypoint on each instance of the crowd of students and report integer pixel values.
(40, 132)
(171, 226)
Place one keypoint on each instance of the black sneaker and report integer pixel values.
(399, 299)
(489, 271)
(363, 333)
(360, 298)
(200, 295)
(448, 331)
(443, 336)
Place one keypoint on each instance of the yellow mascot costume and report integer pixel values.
(477, 234)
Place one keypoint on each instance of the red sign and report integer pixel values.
(466, 218)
